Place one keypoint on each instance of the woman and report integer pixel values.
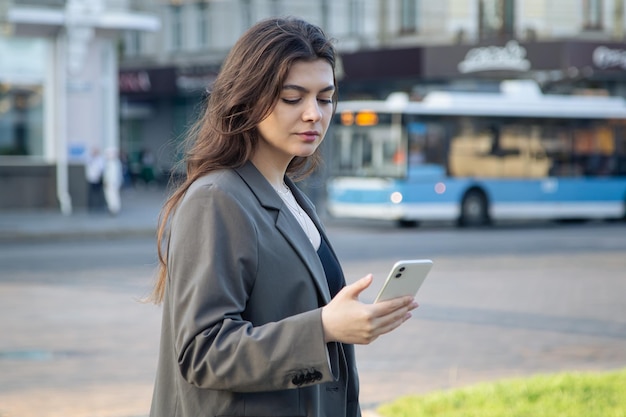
(257, 319)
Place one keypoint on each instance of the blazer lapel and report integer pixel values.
(287, 224)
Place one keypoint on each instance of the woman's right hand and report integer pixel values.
(347, 320)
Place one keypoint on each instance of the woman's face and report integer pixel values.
(299, 120)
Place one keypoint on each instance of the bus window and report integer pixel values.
(417, 143)
(426, 141)
(507, 149)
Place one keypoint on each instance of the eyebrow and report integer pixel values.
(305, 90)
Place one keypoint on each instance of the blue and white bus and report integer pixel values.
(476, 158)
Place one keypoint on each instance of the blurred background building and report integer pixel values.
(59, 94)
(59, 79)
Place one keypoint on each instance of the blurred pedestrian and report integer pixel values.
(94, 172)
(113, 179)
(147, 167)
(257, 318)
(127, 180)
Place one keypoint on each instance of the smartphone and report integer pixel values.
(405, 278)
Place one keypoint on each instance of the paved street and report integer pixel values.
(499, 303)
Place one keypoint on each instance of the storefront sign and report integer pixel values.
(606, 58)
(195, 79)
(510, 57)
(135, 82)
(148, 83)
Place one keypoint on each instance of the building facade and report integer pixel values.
(170, 51)
(59, 94)
(385, 46)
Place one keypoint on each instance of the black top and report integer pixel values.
(332, 268)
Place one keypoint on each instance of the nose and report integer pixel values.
(312, 111)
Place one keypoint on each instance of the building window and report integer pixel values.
(355, 17)
(246, 12)
(22, 82)
(21, 119)
(132, 43)
(176, 27)
(592, 12)
(496, 19)
(408, 16)
(203, 24)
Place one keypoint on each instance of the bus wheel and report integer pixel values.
(407, 224)
(474, 209)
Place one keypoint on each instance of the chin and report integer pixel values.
(306, 151)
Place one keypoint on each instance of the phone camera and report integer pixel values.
(399, 273)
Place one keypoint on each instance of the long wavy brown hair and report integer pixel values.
(244, 93)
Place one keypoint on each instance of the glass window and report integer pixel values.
(132, 43)
(371, 149)
(499, 148)
(203, 25)
(592, 12)
(246, 12)
(356, 15)
(408, 16)
(22, 71)
(21, 120)
(496, 19)
(176, 27)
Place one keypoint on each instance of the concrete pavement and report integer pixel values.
(139, 216)
(484, 315)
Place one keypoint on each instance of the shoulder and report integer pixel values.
(223, 178)
(219, 191)
(223, 183)
(219, 200)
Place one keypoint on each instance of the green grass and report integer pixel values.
(559, 395)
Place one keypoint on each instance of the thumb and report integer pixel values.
(355, 289)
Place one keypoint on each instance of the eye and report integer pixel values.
(325, 100)
(290, 100)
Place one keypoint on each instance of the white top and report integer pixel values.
(94, 169)
(303, 219)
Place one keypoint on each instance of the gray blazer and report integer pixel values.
(242, 331)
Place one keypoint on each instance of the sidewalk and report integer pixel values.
(139, 216)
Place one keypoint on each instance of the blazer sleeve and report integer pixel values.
(213, 258)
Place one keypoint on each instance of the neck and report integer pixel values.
(273, 172)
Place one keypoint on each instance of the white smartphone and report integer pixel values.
(405, 278)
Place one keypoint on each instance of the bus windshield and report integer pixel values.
(367, 148)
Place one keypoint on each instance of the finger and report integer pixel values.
(355, 289)
(399, 315)
(389, 306)
(392, 325)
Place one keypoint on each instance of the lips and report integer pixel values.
(309, 136)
